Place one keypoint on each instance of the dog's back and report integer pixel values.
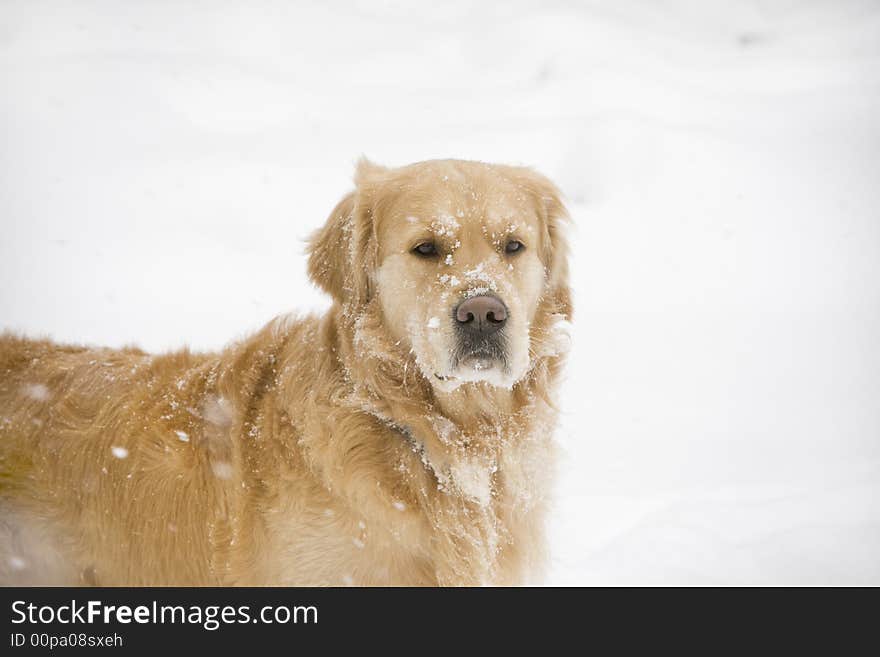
(71, 477)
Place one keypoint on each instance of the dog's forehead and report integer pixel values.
(457, 210)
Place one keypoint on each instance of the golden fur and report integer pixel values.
(320, 451)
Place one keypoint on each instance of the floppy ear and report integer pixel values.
(342, 254)
(554, 252)
(329, 246)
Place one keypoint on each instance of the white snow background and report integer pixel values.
(162, 162)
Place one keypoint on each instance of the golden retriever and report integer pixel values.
(403, 438)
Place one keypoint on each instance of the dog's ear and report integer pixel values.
(554, 249)
(367, 173)
(342, 254)
(329, 250)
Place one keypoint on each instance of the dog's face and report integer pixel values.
(459, 276)
(459, 257)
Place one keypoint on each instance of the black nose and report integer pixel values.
(483, 314)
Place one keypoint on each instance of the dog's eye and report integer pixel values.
(514, 246)
(426, 249)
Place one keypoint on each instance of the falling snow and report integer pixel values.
(218, 411)
(222, 470)
(36, 391)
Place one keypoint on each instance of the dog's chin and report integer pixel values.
(475, 368)
(479, 363)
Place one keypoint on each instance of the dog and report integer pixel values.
(402, 438)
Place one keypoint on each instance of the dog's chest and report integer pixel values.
(336, 547)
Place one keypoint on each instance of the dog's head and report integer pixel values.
(461, 259)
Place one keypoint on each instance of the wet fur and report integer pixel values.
(312, 453)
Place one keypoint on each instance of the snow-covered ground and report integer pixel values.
(162, 162)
